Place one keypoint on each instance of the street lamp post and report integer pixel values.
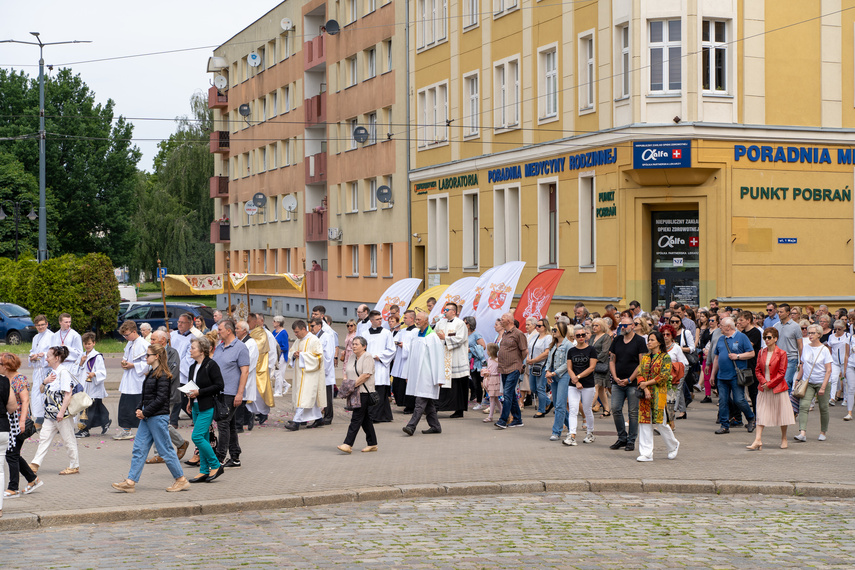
(16, 207)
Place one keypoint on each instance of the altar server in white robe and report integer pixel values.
(382, 347)
(454, 395)
(250, 393)
(403, 337)
(425, 374)
(134, 368)
(363, 321)
(309, 389)
(70, 339)
(38, 352)
(329, 348)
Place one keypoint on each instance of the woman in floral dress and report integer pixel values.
(654, 378)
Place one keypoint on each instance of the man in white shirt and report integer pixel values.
(321, 311)
(41, 343)
(362, 322)
(403, 339)
(180, 341)
(244, 416)
(316, 327)
(69, 338)
(134, 368)
(382, 347)
(452, 331)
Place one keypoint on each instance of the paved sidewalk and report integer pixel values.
(282, 468)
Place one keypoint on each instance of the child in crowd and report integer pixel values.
(92, 375)
(492, 381)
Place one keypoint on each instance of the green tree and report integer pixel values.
(173, 219)
(90, 165)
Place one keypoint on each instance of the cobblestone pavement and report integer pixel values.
(543, 530)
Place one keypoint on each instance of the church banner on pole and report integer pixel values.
(456, 293)
(496, 297)
(399, 293)
(535, 300)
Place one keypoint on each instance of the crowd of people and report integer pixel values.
(640, 368)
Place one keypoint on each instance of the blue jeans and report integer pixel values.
(725, 389)
(790, 374)
(201, 438)
(511, 406)
(153, 430)
(538, 387)
(621, 394)
(559, 400)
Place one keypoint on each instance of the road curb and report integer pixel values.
(32, 521)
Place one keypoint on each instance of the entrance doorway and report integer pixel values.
(676, 257)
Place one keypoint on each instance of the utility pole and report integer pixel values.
(42, 209)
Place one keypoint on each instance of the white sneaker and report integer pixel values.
(554, 437)
(847, 417)
(673, 453)
(571, 440)
(831, 403)
(589, 438)
(476, 407)
(124, 434)
(821, 437)
(287, 387)
(643, 458)
(277, 394)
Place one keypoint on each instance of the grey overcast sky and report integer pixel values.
(153, 86)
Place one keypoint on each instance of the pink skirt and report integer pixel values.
(493, 385)
(774, 409)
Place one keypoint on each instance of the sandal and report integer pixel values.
(155, 459)
(606, 414)
(9, 494)
(70, 471)
(487, 420)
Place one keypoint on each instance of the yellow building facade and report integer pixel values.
(655, 150)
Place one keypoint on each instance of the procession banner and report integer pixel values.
(214, 284)
(496, 297)
(399, 293)
(535, 300)
(420, 304)
(473, 298)
(456, 293)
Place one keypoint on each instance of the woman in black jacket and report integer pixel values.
(153, 413)
(206, 374)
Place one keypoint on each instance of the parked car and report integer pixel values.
(153, 314)
(16, 326)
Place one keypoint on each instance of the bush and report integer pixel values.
(84, 287)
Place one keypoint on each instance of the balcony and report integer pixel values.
(219, 186)
(316, 168)
(316, 109)
(316, 281)
(217, 100)
(316, 226)
(220, 142)
(314, 52)
(220, 232)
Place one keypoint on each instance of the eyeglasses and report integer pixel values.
(538, 326)
(676, 321)
(350, 326)
(804, 328)
(581, 335)
(812, 332)
(554, 330)
(636, 323)
(770, 337)
(149, 354)
(770, 310)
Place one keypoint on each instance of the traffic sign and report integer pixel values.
(161, 273)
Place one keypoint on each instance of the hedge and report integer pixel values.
(84, 287)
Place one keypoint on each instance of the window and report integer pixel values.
(471, 119)
(371, 63)
(391, 258)
(624, 65)
(372, 128)
(263, 159)
(548, 61)
(274, 107)
(352, 71)
(470, 13)
(547, 229)
(354, 196)
(276, 261)
(387, 113)
(372, 194)
(470, 230)
(353, 124)
(273, 148)
(286, 152)
(507, 93)
(264, 109)
(387, 180)
(286, 98)
(506, 224)
(665, 55)
(438, 233)
(503, 6)
(388, 44)
(587, 223)
(714, 56)
(288, 260)
(432, 22)
(353, 9)
(372, 260)
(247, 170)
(370, 6)
(274, 211)
(285, 46)
(587, 72)
(354, 260)
(433, 111)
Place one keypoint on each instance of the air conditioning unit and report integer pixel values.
(334, 234)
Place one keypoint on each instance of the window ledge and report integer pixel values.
(351, 85)
(470, 27)
(471, 269)
(665, 95)
(547, 266)
(370, 77)
(622, 99)
(352, 276)
(370, 210)
(388, 277)
(501, 130)
(351, 212)
(587, 111)
(385, 72)
(717, 95)
(549, 119)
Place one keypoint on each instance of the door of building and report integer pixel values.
(676, 257)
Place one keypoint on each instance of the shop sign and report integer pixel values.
(424, 187)
(458, 181)
(788, 240)
(676, 242)
(608, 209)
(662, 154)
(807, 194)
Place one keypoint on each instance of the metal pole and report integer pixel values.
(42, 208)
(163, 297)
(229, 283)
(16, 231)
(306, 290)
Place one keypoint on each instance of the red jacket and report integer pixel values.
(777, 369)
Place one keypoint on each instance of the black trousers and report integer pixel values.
(425, 406)
(96, 414)
(475, 388)
(382, 412)
(227, 436)
(176, 410)
(455, 398)
(328, 411)
(399, 390)
(18, 465)
(128, 404)
(361, 419)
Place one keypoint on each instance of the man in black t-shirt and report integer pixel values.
(626, 351)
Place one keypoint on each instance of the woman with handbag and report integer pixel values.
(556, 364)
(674, 352)
(602, 341)
(685, 343)
(654, 377)
(816, 371)
(57, 387)
(209, 381)
(153, 413)
(21, 427)
(538, 349)
(582, 359)
(773, 401)
(361, 367)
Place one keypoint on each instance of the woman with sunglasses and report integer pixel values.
(556, 366)
(583, 361)
(654, 377)
(538, 351)
(642, 328)
(837, 342)
(702, 337)
(153, 413)
(602, 342)
(773, 399)
(816, 368)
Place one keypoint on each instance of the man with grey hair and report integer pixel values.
(732, 351)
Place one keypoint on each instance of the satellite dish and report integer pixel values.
(384, 194)
(286, 24)
(244, 110)
(360, 134)
(332, 27)
(289, 202)
(253, 59)
(250, 208)
(259, 199)
(221, 82)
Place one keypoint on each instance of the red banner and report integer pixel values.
(535, 300)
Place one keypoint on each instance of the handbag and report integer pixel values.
(373, 397)
(534, 369)
(601, 368)
(692, 357)
(221, 409)
(28, 431)
(744, 376)
(800, 389)
(639, 392)
(79, 402)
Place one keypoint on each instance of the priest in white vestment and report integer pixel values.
(425, 374)
(309, 390)
(250, 392)
(455, 335)
(382, 347)
(403, 338)
(329, 349)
